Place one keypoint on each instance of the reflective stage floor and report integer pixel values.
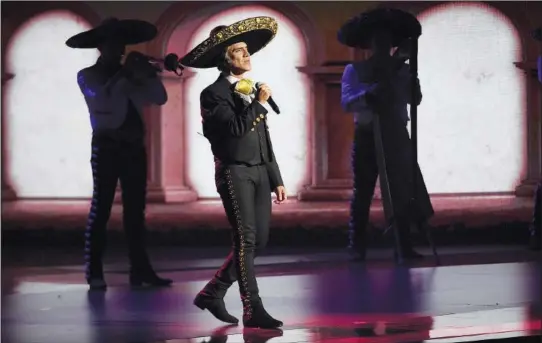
(321, 297)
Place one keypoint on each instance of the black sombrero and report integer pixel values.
(358, 31)
(256, 32)
(127, 31)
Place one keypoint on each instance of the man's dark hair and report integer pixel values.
(222, 63)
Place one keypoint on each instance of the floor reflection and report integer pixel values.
(338, 303)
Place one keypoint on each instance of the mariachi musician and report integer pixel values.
(115, 94)
(378, 90)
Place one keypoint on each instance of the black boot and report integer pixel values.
(94, 273)
(357, 249)
(148, 278)
(211, 297)
(142, 273)
(255, 316)
(97, 284)
(407, 251)
(216, 306)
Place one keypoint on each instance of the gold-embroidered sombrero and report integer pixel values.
(256, 32)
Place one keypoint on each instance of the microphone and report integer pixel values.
(270, 101)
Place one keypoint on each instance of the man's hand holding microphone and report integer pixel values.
(263, 93)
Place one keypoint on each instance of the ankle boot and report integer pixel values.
(216, 306)
(357, 244)
(147, 277)
(97, 284)
(95, 276)
(255, 316)
(407, 251)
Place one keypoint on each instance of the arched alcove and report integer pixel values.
(473, 116)
(170, 141)
(48, 130)
(277, 66)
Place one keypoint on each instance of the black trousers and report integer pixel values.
(365, 170)
(246, 195)
(113, 161)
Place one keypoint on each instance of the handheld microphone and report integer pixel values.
(270, 101)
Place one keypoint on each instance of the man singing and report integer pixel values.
(115, 94)
(246, 171)
(380, 86)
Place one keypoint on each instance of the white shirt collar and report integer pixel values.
(232, 78)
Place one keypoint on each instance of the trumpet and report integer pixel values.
(169, 63)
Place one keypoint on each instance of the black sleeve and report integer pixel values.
(273, 170)
(216, 109)
(418, 99)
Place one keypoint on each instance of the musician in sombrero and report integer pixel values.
(234, 117)
(115, 94)
(380, 86)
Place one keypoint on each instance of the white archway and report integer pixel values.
(275, 65)
(48, 129)
(472, 118)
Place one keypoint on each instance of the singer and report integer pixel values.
(114, 94)
(246, 171)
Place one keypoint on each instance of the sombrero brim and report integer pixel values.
(127, 31)
(255, 32)
(358, 31)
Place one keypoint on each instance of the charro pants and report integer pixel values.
(246, 196)
(365, 169)
(113, 161)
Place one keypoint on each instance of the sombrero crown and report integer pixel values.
(359, 31)
(256, 32)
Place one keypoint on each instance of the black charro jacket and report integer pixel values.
(234, 128)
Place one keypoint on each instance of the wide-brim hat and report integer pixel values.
(256, 32)
(358, 31)
(537, 34)
(126, 31)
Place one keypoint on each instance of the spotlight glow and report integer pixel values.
(472, 118)
(48, 129)
(275, 65)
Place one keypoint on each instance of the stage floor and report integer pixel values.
(320, 297)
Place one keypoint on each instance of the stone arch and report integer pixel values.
(14, 17)
(461, 126)
(38, 124)
(170, 173)
(517, 17)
